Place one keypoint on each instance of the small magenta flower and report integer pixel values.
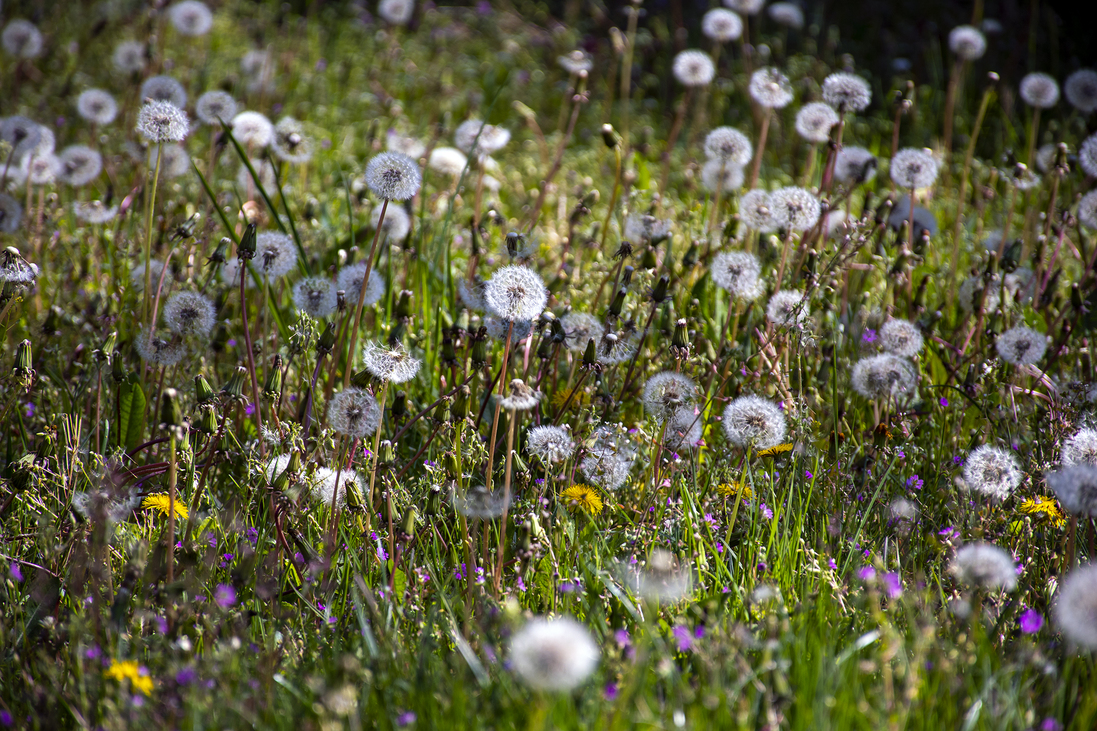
(682, 638)
(1031, 621)
(867, 573)
(225, 596)
(893, 584)
(869, 336)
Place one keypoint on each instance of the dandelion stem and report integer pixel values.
(376, 447)
(362, 295)
(172, 477)
(148, 235)
(498, 406)
(762, 135)
(251, 359)
(502, 549)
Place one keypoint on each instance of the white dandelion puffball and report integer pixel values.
(393, 176)
(1021, 346)
(912, 168)
(729, 145)
(967, 42)
(770, 88)
(694, 68)
(754, 421)
(722, 25)
(992, 471)
(1075, 608)
(1040, 90)
(553, 654)
(515, 293)
(814, 121)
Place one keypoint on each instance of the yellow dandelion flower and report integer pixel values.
(129, 670)
(583, 497)
(160, 501)
(731, 489)
(774, 451)
(561, 397)
(1046, 508)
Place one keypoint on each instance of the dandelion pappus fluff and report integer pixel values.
(694, 68)
(350, 281)
(1021, 346)
(992, 471)
(190, 313)
(396, 12)
(967, 42)
(787, 14)
(1087, 155)
(290, 143)
(755, 211)
(1080, 448)
(162, 121)
(395, 364)
(263, 170)
(520, 397)
(901, 337)
(497, 329)
(1075, 607)
(448, 161)
(666, 392)
(814, 121)
(645, 228)
(215, 107)
(1039, 90)
(663, 579)
(478, 502)
(1076, 488)
(985, 566)
(723, 176)
(794, 208)
(354, 412)
(551, 443)
(846, 92)
(474, 137)
(41, 169)
(22, 39)
(158, 349)
(722, 25)
(745, 7)
(553, 654)
(515, 293)
(275, 255)
(579, 327)
(79, 165)
(576, 62)
(156, 269)
(883, 376)
(1080, 89)
(854, 165)
(23, 134)
(93, 212)
(739, 273)
(174, 160)
(164, 89)
(729, 145)
(252, 129)
(1046, 156)
(393, 176)
(770, 88)
(97, 106)
(191, 17)
(683, 429)
(914, 169)
(754, 421)
(787, 308)
(615, 347)
(315, 296)
(11, 214)
(397, 223)
(129, 57)
(609, 457)
(333, 485)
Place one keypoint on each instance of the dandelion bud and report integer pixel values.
(386, 454)
(288, 475)
(680, 339)
(402, 311)
(659, 294)
(544, 349)
(610, 136)
(219, 254)
(246, 249)
(117, 370)
(203, 392)
(442, 414)
(207, 419)
(626, 276)
(649, 261)
(515, 242)
(618, 303)
(273, 385)
(407, 525)
(23, 358)
(170, 413)
(590, 355)
(326, 341)
(434, 501)
(1076, 299)
(107, 350)
(451, 465)
(449, 353)
(399, 404)
(235, 386)
(1012, 256)
(690, 257)
(480, 349)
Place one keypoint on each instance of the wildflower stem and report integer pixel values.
(376, 447)
(577, 101)
(672, 140)
(251, 359)
(148, 236)
(362, 295)
(969, 156)
(172, 477)
(612, 199)
(502, 549)
(498, 406)
(757, 167)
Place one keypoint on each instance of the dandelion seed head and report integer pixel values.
(397, 223)
(663, 579)
(794, 208)
(745, 7)
(901, 337)
(787, 308)
(1040, 90)
(694, 68)
(393, 176)
(41, 169)
(645, 228)
(290, 143)
(263, 169)
(814, 121)
(325, 481)
(551, 443)
(164, 89)
(396, 12)
(520, 397)
(739, 273)
(609, 457)
(252, 129)
(478, 502)
(667, 392)
(22, 39)
(190, 313)
(722, 25)
(515, 293)
(191, 17)
(1076, 488)
(79, 165)
(162, 121)
(395, 364)
(350, 281)
(1080, 89)
(615, 347)
(770, 88)
(1021, 346)
(967, 42)
(157, 349)
(854, 166)
(174, 161)
(315, 296)
(93, 212)
(722, 176)
(1046, 156)
(787, 14)
(884, 376)
(579, 327)
(729, 145)
(11, 214)
(216, 106)
(1081, 448)
(683, 429)
(1087, 210)
(985, 566)
(992, 471)
(447, 160)
(754, 421)
(576, 62)
(156, 268)
(553, 654)
(755, 211)
(491, 138)
(846, 92)
(354, 413)
(129, 57)
(1075, 607)
(96, 106)
(275, 254)
(24, 135)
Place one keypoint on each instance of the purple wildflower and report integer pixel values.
(1031, 621)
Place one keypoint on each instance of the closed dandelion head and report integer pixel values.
(290, 142)
(275, 255)
(787, 308)
(161, 121)
(1087, 156)
(579, 327)
(354, 413)
(739, 273)
(901, 337)
(582, 498)
(520, 397)
(174, 160)
(1080, 89)
(474, 137)
(252, 129)
(11, 214)
(667, 392)
(448, 161)
(397, 223)
(79, 165)
(553, 444)
(553, 654)
(159, 349)
(1021, 346)
(992, 471)
(215, 107)
(350, 281)
(722, 25)
(755, 422)
(984, 566)
(164, 89)
(884, 376)
(395, 364)
(787, 14)
(846, 92)
(745, 7)
(722, 176)
(755, 211)
(728, 145)
(854, 166)
(393, 176)
(191, 17)
(478, 502)
(22, 39)
(93, 212)
(644, 228)
(663, 579)
(967, 42)
(694, 68)
(770, 88)
(129, 57)
(396, 12)
(315, 296)
(515, 293)
(1076, 488)
(190, 313)
(1075, 608)
(913, 169)
(1040, 90)
(814, 121)
(96, 106)
(1081, 448)
(576, 62)
(794, 208)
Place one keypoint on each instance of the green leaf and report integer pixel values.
(131, 412)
